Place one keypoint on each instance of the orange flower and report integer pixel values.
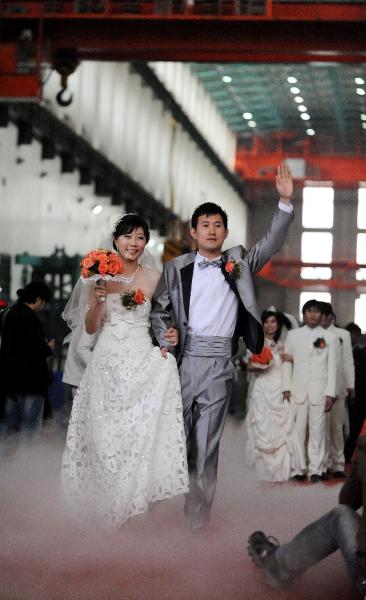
(264, 358)
(84, 273)
(229, 267)
(103, 267)
(94, 254)
(115, 265)
(87, 262)
(139, 296)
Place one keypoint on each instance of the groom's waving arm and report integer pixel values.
(273, 240)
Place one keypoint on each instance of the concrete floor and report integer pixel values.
(45, 556)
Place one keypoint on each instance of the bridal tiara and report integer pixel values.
(272, 309)
(115, 225)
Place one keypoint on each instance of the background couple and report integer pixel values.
(126, 444)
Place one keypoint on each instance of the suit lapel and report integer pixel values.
(186, 274)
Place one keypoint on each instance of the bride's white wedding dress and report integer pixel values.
(272, 443)
(125, 445)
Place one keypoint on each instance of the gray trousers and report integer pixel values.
(336, 530)
(206, 387)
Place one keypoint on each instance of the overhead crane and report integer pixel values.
(321, 161)
(34, 32)
(60, 33)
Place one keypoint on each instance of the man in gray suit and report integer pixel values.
(209, 296)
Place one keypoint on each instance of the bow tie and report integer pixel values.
(217, 262)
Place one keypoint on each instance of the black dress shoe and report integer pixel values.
(315, 478)
(298, 478)
(339, 475)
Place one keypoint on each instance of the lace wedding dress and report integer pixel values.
(272, 443)
(125, 445)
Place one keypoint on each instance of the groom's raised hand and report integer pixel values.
(284, 183)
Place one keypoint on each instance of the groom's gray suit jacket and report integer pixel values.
(172, 295)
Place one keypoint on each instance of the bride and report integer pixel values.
(125, 446)
(272, 443)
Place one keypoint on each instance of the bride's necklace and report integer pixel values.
(126, 279)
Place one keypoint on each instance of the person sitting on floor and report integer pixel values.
(340, 529)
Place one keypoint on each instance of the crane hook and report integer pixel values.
(63, 101)
(65, 64)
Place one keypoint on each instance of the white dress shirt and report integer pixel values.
(286, 207)
(213, 307)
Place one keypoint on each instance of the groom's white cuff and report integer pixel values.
(286, 207)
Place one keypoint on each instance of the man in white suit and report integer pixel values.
(345, 388)
(309, 383)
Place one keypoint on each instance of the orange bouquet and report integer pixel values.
(102, 264)
(263, 359)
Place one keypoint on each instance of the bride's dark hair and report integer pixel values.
(127, 224)
(282, 321)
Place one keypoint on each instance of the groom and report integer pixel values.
(209, 296)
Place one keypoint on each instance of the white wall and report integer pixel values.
(39, 213)
(191, 95)
(121, 118)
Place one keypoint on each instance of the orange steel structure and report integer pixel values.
(321, 161)
(212, 30)
(286, 273)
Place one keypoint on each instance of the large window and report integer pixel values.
(317, 246)
(316, 239)
(361, 213)
(360, 311)
(318, 207)
(361, 236)
(360, 302)
(305, 296)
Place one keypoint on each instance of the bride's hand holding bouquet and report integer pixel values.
(100, 266)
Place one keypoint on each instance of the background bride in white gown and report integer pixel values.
(125, 445)
(271, 438)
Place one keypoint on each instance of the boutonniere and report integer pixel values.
(320, 343)
(132, 299)
(232, 268)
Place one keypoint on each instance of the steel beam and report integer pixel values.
(251, 39)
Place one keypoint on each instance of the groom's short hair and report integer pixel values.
(208, 209)
(311, 304)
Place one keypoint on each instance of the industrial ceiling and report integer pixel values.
(324, 101)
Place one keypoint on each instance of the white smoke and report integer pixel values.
(46, 555)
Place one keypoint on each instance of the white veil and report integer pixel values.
(75, 308)
(80, 342)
